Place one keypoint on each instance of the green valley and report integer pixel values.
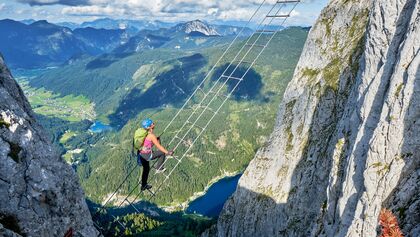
(126, 88)
(71, 108)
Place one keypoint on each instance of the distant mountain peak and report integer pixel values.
(44, 23)
(28, 21)
(40, 22)
(197, 26)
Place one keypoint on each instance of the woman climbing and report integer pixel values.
(145, 152)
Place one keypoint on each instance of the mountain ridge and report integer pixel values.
(43, 44)
(196, 26)
(34, 44)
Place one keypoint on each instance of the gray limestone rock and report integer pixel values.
(347, 140)
(40, 194)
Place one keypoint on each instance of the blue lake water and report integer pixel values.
(212, 202)
(99, 127)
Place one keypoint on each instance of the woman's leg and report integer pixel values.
(160, 156)
(139, 159)
(146, 169)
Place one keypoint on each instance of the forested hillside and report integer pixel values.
(228, 144)
(126, 88)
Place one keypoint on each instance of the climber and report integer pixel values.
(144, 139)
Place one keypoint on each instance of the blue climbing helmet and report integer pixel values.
(146, 123)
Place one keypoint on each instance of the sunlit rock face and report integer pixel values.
(347, 139)
(40, 194)
(197, 26)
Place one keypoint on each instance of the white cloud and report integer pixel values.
(2, 6)
(294, 13)
(93, 11)
(52, 2)
(237, 14)
(168, 10)
(212, 11)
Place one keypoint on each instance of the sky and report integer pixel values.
(165, 10)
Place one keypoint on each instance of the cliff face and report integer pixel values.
(347, 139)
(39, 193)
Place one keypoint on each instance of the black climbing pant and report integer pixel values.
(145, 162)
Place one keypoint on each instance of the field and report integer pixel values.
(70, 108)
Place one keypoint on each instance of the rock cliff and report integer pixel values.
(347, 140)
(40, 194)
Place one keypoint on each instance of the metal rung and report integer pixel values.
(235, 78)
(180, 138)
(132, 205)
(199, 88)
(135, 208)
(98, 226)
(278, 16)
(208, 109)
(256, 45)
(291, 1)
(195, 125)
(166, 177)
(224, 96)
(176, 158)
(221, 95)
(115, 218)
(185, 143)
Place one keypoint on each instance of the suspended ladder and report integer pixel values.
(209, 97)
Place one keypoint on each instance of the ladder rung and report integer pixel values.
(230, 77)
(176, 159)
(208, 109)
(278, 16)
(179, 138)
(199, 88)
(211, 110)
(150, 191)
(256, 45)
(132, 205)
(135, 208)
(115, 218)
(97, 226)
(195, 125)
(290, 1)
(224, 96)
(221, 95)
(185, 143)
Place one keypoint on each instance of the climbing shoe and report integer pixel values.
(145, 187)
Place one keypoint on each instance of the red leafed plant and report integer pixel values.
(389, 224)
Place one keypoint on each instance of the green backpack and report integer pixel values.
(139, 137)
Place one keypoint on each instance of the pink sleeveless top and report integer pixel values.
(147, 146)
